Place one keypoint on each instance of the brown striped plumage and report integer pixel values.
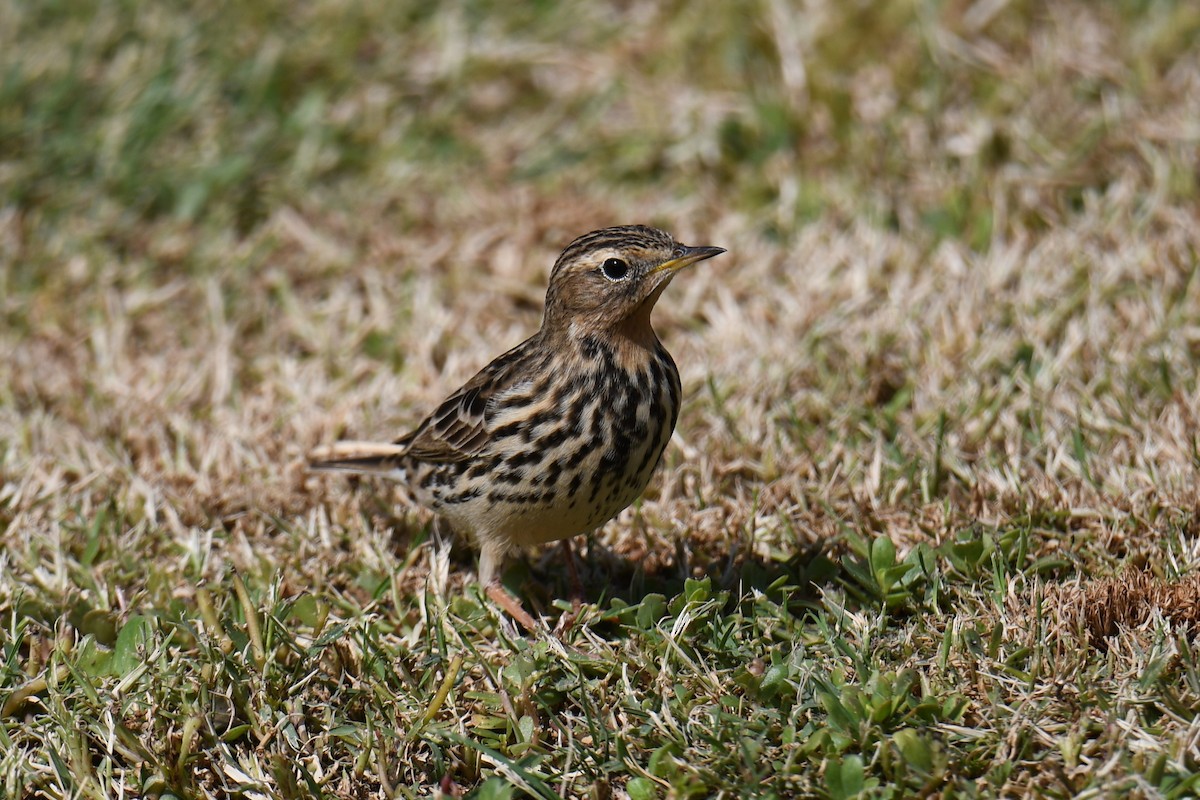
(563, 431)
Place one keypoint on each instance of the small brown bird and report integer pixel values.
(562, 432)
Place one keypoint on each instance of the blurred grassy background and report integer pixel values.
(942, 389)
(123, 121)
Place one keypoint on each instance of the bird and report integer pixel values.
(558, 435)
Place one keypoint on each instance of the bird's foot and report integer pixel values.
(500, 596)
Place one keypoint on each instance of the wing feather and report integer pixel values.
(458, 429)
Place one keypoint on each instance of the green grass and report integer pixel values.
(928, 525)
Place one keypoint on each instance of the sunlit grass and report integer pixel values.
(927, 525)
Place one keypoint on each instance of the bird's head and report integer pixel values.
(609, 280)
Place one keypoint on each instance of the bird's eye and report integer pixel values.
(615, 269)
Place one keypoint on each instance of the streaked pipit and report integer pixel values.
(563, 431)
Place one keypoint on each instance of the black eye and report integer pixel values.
(615, 269)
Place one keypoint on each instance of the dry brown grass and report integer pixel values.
(960, 299)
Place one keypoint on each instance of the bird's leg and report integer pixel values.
(500, 596)
(568, 618)
(573, 573)
(491, 556)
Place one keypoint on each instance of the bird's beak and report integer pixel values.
(690, 256)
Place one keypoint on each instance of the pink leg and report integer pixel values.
(572, 572)
(490, 559)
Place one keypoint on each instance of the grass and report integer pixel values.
(928, 524)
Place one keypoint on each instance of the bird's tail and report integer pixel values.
(369, 457)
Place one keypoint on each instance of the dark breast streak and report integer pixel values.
(636, 407)
(584, 443)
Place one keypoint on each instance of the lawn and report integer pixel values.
(928, 524)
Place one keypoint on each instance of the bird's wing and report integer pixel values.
(458, 429)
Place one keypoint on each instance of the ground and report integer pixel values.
(928, 523)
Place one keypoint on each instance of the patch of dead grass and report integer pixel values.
(1114, 606)
(960, 296)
